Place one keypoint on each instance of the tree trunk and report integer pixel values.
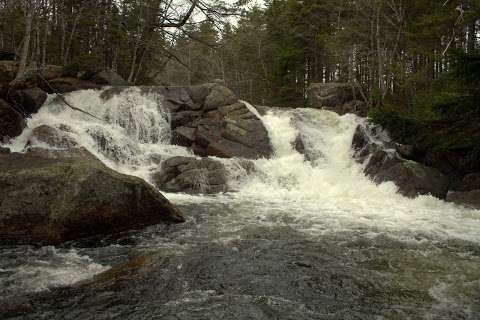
(26, 45)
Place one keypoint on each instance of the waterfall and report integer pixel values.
(327, 186)
(133, 138)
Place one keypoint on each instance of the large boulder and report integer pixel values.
(11, 122)
(466, 192)
(209, 120)
(226, 132)
(53, 137)
(341, 98)
(31, 100)
(191, 175)
(383, 163)
(109, 77)
(52, 196)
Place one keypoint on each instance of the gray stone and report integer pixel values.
(109, 77)
(383, 163)
(53, 137)
(219, 96)
(51, 197)
(191, 175)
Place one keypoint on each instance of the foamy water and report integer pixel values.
(327, 195)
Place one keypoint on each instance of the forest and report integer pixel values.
(240, 159)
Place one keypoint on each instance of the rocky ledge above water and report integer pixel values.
(53, 196)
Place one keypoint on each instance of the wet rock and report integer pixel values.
(54, 196)
(184, 117)
(11, 122)
(191, 175)
(219, 96)
(339, 97)
(109, 77)
(31, 99)
(466, 192)
(465, 198)
(413, 178)
(383, 163)
(53, 137)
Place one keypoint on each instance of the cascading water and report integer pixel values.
(366, 239)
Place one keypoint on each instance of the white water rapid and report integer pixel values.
(325, 196)
(328, 194)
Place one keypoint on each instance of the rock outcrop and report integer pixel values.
(339, 97)
(53, 196)
(191, 175)
(383, 163)
(211, 121)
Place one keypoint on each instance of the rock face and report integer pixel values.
(339, 97)
(109, 77)
(191, 175)
(53, 196)
(211, 121)
(11, 122)
(57, 138)
(383, 163)
(30, 99)
(467, 191)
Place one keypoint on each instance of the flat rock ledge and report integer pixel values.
(55, 196)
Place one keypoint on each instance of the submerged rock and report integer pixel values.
(52, 137)
(383, 163)
(191, 175)
(54, 196)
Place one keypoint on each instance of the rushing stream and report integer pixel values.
(296, 240)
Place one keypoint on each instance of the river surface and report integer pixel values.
(296, 239)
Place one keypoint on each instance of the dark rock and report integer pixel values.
(191, 175)
(339, 97)
(413, 178)
(4, 150)
(468, 183)
(109, 77)
(31, 99)
(299, 145)
(8, 71)
(469, 199)
(53, 137)
(383, 163)
(183, 136)
(11, 122)
(184, 117)
(406, 151)
(219, 96)
(65, 85)
(50, 197)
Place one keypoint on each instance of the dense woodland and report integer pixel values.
(399, 52)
